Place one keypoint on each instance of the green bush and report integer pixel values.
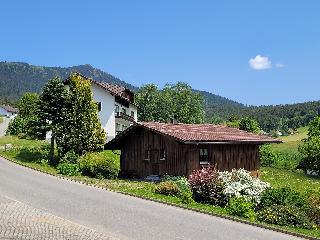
(310, 149)
(285, 216)
(68, 169)
(167, 188)
(17, 126)
(104, 164)
(268, 156)
(34, 154)
(314, 208)
(282, 197)
(239, 206)
(184, 187)
(70, 157)
(186, 197)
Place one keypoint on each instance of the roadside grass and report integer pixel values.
(277, 178)
(1, 119)
(20, 143)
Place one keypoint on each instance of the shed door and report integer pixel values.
(155, 164)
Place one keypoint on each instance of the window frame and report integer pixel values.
(203, 156)
(162, 154)
(99, 106)
(147, 155)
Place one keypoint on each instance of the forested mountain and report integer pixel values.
(17, 78)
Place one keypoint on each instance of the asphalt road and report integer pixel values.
(117, 215)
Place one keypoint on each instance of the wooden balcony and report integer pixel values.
(124, 116)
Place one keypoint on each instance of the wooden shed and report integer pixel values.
(152, 148)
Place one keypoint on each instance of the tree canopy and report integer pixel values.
(174, 101)
(80, 130)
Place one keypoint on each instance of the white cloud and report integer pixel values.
(260, 63)
(279, 65)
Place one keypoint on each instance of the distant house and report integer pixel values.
(178, 149)
(115, 105)
(8, 111)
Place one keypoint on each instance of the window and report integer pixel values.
(203, 156)
(162, 154)
(124, 111)
(147, 155)
(98, 106)
(116, 108)
(132, 114)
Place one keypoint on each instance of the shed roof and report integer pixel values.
(197, 133)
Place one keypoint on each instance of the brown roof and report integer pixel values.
(9, 108)
(199, 133)
(114, 89)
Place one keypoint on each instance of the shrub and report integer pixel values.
(17, 126)
(239, 206)
(100, 164)
(268, 156)
(184, 187)
(285, 216)
(34, 154)
(240, 183)
(310, 149)
(282, 197)
(186, 197)
(69, 169)
(70, 157)
(207, 187)
(167, 188)
(314, 208)
(182, 182)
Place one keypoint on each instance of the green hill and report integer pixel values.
(17, 78)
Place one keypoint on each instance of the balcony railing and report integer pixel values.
(124, 116)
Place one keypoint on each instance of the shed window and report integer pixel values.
(147, 155)
(162, 154)
(132, 114)
(203, 156)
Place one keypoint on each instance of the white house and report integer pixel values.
(115, 105)
(8, 111)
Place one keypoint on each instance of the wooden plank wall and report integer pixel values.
(181, 159)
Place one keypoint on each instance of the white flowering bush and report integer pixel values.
(239, 183)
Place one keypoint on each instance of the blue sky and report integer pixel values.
(207, 44)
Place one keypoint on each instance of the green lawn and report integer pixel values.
(291, 142)
(297, 181)
(19, 143)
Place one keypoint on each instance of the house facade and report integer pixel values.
(8, 111)
(116, 109)
(178, 149)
